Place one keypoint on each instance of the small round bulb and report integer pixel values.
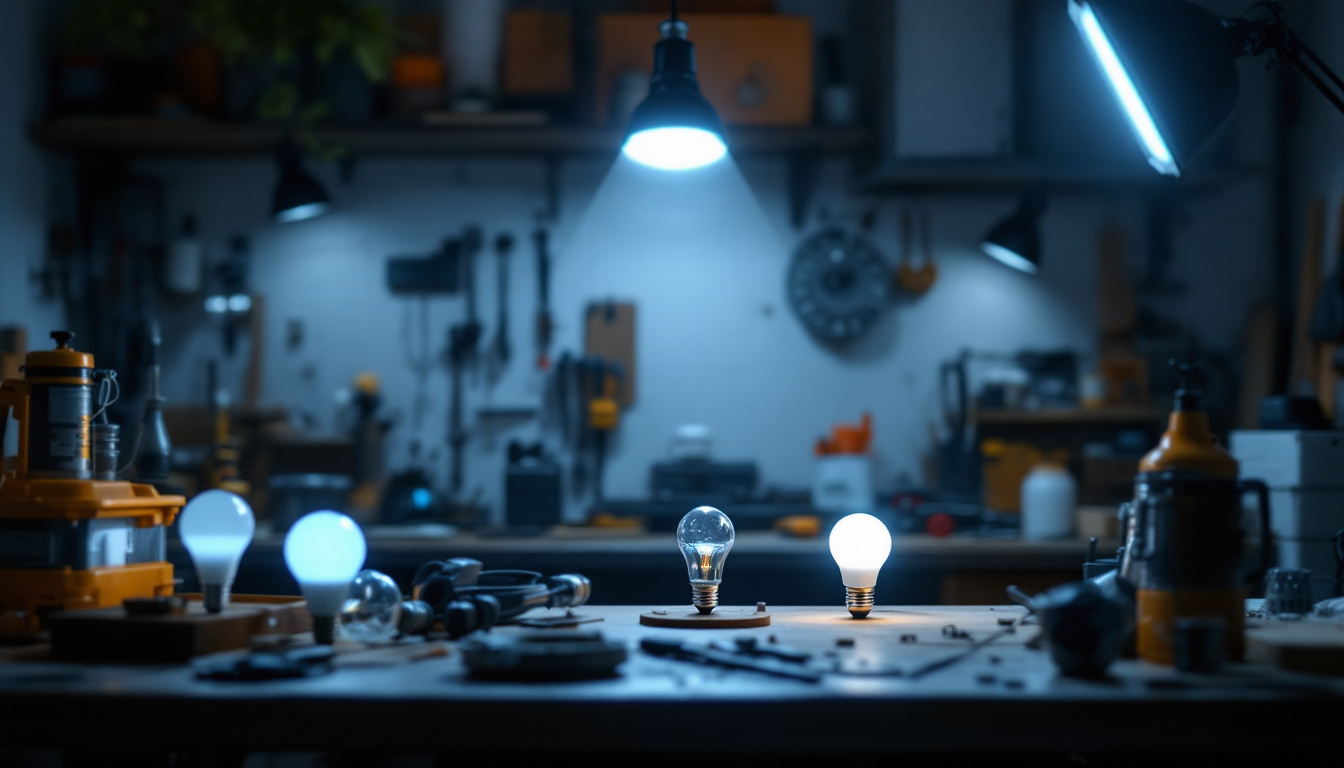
(705, 536)
(324, 550)
(372, 611)
(860, 544)
(216, 527)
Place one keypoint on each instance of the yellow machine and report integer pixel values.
(69, 541)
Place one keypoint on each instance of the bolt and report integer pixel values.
(844, 642)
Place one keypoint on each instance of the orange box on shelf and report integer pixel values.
(756, 69)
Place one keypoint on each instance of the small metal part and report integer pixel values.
(1006, 621)
(859, 601)
(704, 597)
(760, 607)
(952, 631)
(569, 590)
(106, 451)
(844, 642)
(154, 606)
(562, 655)
(908, 638)
(417, 618)
(570, 619)
(1288, 592)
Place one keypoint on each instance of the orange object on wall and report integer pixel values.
(756, 69)
(848, 438)
(417, 70)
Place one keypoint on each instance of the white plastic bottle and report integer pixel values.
(1049, 496)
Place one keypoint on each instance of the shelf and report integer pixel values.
(991, 176)
(198, 138)
(1142, 415)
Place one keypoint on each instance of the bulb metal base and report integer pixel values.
(704, 597)
(324, 629)
(216, 597)
(859, 601)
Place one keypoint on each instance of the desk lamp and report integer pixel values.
(298, 195)
(1171, 65)
(675, 128)
(1016, 241)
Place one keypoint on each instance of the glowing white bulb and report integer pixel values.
(1011, 258)
(860, 544)
(324, 550)
(675, 148)
(1159, 156)
(705, 536)
(216, 527)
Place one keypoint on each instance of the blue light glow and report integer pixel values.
(675, 149)
(1159, 156)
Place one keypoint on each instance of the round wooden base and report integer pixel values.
(721, 618)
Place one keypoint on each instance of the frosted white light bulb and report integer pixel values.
(674, 148)
(216, 527)
(705, 536)
(324, 550)
(860, 544)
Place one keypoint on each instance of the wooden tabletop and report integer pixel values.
(1004, 697)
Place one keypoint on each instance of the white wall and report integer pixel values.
(24, 185)
(717, 342)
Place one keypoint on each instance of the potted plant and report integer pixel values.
(293, 61)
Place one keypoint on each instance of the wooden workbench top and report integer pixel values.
(1004, 697)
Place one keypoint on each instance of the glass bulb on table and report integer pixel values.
(860, 544)
(216, 527)
(372, 611)
(324, 550)
(705, 536)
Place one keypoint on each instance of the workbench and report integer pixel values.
(764, 565)
(1003, 699)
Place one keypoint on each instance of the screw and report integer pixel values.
(844, 642)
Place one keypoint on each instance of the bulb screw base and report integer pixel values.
(704, 597)
(859, 601)
(324, 629)
(216, 597)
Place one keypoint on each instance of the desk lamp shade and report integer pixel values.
(297, 195)
(1016, 241)
(1171, 66)
(675, 128)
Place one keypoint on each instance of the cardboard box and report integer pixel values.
(538, 53)
(756, 69)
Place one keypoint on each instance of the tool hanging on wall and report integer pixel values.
(500, 350)
(545, 323)
(604, 415)
(153, 449)
(462, 342)
(916, 279)
(609, 334)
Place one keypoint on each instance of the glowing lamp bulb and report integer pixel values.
(216, 527)
(324, 550)
(674, 148)
(705, 536)
(860, 544)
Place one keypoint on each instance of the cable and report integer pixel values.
(109, 392)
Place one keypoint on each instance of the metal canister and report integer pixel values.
(106, 451)
(59, 384)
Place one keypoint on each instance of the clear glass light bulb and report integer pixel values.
(373, 609)
(324, 550)
(674, 148)
(705, 536)
(860, 544)
(216, 527)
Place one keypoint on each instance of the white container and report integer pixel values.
(691, 443)
(473, 33)
(843, 482)
(1049, 497)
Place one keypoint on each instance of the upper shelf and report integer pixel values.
(200, 138)
(996, 175)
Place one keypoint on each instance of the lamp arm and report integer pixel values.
(1252, 38)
